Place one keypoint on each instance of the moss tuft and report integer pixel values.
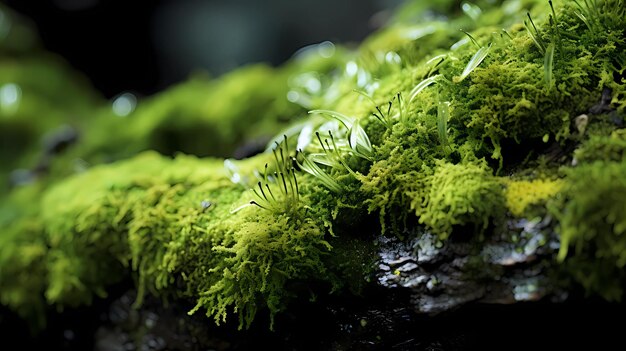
(461, 194)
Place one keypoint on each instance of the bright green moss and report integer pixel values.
(522, 194)
(23, 270)
(190, 228)
(170, 221)
(262, 255)
(461, 194)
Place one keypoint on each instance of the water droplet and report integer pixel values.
(293, 96)
(326, 49)
(10, 96)
(124, 104)
(351, 69)
(313, 85)
(393, 58)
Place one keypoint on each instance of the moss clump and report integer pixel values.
(260, 257)
(602, 147)
(591, 218)
(172, 223)
(520, 194)
(461, 194)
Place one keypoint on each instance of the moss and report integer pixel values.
(189, 228)
(261, 256)
(170, 221)
(602, 147)
(23, 271)
(520, 194)
(591, 221)
(461, 194)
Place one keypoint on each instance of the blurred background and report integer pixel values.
(146, 46)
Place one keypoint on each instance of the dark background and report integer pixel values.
(145, 46)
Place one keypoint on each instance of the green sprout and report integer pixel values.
(313, 169)
(535, 36)
(421, 86)
(476, 60)
(358, 140)
(548, 64)
(471, 38)
(277, 191)
(443, 114)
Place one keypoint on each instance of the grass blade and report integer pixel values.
(345, 120)
(476, 60)
(360, 142)
(421, 86)
(548, 63)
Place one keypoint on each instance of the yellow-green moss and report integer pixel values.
(520, 194)
(461, 194)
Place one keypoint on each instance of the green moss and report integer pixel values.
(522, 194)
(602, 147)
(189, 228)
(23, 271)
(592, 223)
(170, 221)
(262, 254)
(461, 194)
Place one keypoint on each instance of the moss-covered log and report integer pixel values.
(461, 162)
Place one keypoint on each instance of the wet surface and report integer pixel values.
(507, 268)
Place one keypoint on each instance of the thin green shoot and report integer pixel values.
(584, 15)
(548, 64)
(401, 108)
(532, 22)
(536, 37)
(380, 116)
(504, 31)
(336, 153)
(357, 138)
(360, 142)
(474, 62)
(313, 169)
(443, 114)
(553, 12)
(280, 192)
(471, 38)
(365, 95)
(421, 86)
(439, 59)
(347, 121)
